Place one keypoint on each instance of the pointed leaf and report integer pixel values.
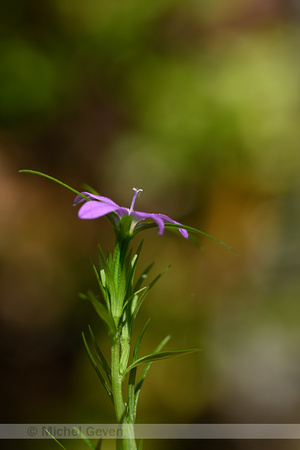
(34, 172)
(142, 277)
(55, 439)
(145, 371)
(55, 180)
(96, 368)
(106, 265)
(194, 230)
(118, 282)
(102, 358)
(138, 342)
(146, 291)
(86, 440)
(160, 355)
(101, 311)
(132, 375)
(102, 260)
(101, 284)
(131, 269)
(145, 226)
(88, 188)
(132, 297)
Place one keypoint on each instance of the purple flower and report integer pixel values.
(98, 206)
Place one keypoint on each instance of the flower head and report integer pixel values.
(98, 206)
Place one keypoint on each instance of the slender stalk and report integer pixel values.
(116, 379)
(120, 344)
(128, 443)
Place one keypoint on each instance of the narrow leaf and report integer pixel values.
(104, 363)
(194, 230)
(131, 298)
(88, 188)
(34, 172)
(143, 296)
(131, 269)
(145, 226)
(101, 283)
(55, 439)
(106, 276)
(142, 277)
(160, 355)
(96, 368)
(138, 342)
(101, 311)
(86, 440)
(106, 265)
(102, 286)
(102, 260)
(55, 180)
(146, 369)
(132, 375)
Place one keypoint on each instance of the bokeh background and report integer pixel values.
(197, 103)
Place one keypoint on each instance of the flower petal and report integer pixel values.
(160, 219)
(122, 211)
(155, 217)
(94, 209)
(100, 198)
(167, 219)
(184, 233)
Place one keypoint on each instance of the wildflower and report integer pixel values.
(99, 206)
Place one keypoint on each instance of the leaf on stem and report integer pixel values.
(131, 269)
(48, 432)
(96, 368)
(105, 279)
(102, 359)
(144, 294)
(138, 342)
(142, 277)
(160, 355)
(133, 299)
(101, 279)
(101, 311)
(194, 230)
(145, 371)
(187, 228)
(34, 172)
(86, 440)
(132, 375)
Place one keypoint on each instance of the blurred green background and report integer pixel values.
(197, 103)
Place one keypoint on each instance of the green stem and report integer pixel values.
(128, 443)
(116, 379)
(120, 343)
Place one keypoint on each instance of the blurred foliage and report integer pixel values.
(198, 104)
